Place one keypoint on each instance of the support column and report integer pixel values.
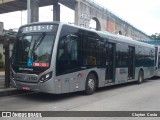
(34, 11)
(28, 11)
(77, 13)
(56, 11)
(7, 61)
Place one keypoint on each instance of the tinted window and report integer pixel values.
(121, 55)
(93, 51)
(68, 48)
(68, 53)
(33, 49)
(145, 57)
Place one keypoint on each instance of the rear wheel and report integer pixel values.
(140, 77)
(90, 84)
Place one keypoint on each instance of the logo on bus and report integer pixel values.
(27, 69)
(122, 71)
(80, 75)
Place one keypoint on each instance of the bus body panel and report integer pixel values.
(121, 75)
(46, 87)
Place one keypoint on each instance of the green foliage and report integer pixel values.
(0, 56)
(156, 36)
(1, 64)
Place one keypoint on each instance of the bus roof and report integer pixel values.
(121, 38)
(103, 34)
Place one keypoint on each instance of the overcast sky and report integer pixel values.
(143, 14)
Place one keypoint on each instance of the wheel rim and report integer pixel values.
(140, 77)
(91, 84)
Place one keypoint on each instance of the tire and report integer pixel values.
(90, 84)
(140, 77)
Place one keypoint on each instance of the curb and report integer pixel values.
(9, 91)
(12, 91)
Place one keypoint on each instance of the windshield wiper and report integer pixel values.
(38, 41)
(36, 44)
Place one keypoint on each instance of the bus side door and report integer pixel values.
(131, 63)
(110, 62)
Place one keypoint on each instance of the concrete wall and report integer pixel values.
(85, 10)
(5, 1)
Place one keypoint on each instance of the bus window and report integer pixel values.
(121, 55)
(93, 52)
(159, 60)
(68, 48)
(156, 52)
(67, 55)
(37, 47)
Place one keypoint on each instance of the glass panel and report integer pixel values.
(34, 50)
(68, 49)
(121, 55)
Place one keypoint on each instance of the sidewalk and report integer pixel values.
(2, 73)
(7, 91)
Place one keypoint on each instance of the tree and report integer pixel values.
(156, 36)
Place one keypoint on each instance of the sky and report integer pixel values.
(143, 14)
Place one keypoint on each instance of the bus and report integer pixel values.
(156, 43)
(157, 61)
(55, 57)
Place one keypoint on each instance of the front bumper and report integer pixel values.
(47, 87)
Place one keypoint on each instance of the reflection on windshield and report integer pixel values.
(34, 50)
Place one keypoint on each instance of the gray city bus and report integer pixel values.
(156, 43)
(57, 58)
(157, 60)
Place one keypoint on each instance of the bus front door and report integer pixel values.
(131, 63)
(110, 63)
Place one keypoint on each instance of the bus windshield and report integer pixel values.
(33, 50)
(33, 47)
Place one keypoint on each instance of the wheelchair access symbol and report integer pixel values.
(30, 62)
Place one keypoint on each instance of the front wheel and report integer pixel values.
(140, 77)
(90, 84)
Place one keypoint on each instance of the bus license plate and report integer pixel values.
(25, 88)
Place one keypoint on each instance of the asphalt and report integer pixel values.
(7, 91)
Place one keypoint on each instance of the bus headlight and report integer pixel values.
(46, 77)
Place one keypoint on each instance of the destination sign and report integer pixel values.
(40, 28)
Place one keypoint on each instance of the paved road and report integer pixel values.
(127, 97)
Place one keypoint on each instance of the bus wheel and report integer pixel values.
(140, 77)
(90, 84)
